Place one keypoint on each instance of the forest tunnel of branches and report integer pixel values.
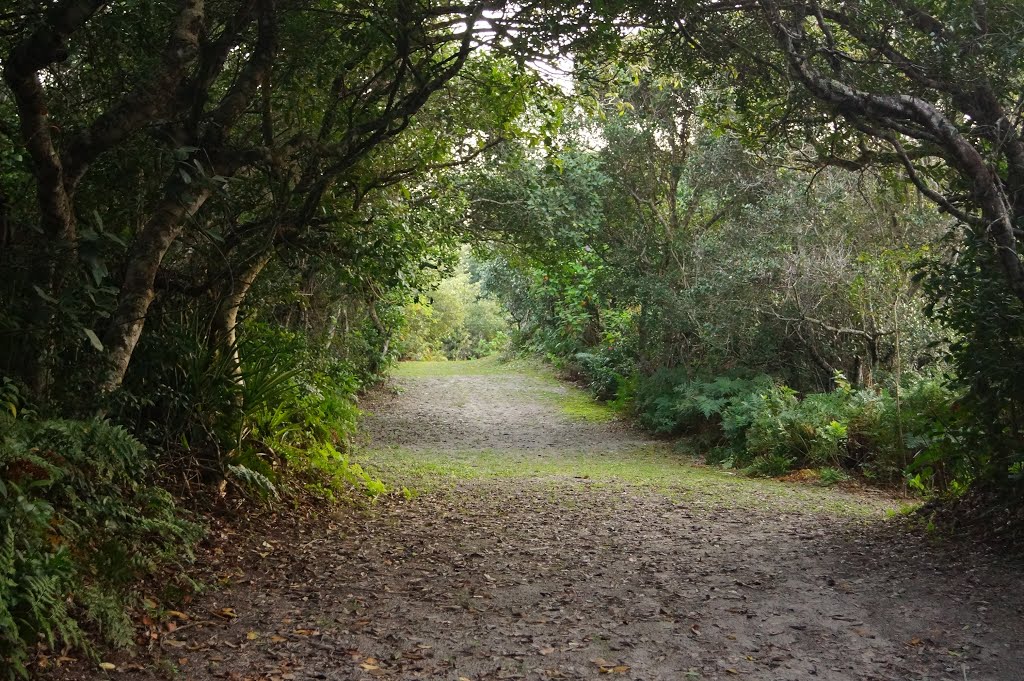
(786, 229)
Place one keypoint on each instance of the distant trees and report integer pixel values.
(687, 250)
(691, 273)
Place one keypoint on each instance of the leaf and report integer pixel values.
(108, 666)
(44, 295)
(252, 636)
(93, 339)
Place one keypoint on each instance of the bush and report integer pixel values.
(829, 476)
(748, 422)
(673, 402)
(869, 431)
(811, 431)
(655, 400)
(77, 528)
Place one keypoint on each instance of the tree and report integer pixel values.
(234, 134)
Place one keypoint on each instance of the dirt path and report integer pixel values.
(549, 542)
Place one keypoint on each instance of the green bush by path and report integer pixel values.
(78, 528)
(768, 429)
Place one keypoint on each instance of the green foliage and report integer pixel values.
(454, 320)
(79, 526)
(829, 476)
(770, 465)
(868, 431)
(987, 321)
(337, 475)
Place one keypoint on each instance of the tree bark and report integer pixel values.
(137, 289)
(912, 116)
(223, 328)
(183, 199)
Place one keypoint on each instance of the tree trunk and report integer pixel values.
(223, 335)
(378, 360)
(137, 290)
(332, 324)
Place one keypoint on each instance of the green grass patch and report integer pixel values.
(568, 399)
(653, 468)
(577, 404)
(469, 367)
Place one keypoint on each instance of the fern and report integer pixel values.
(253, 481)
(87, 527)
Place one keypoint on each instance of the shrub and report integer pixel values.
(770, 465)
(655, 400)
(78, 526)
(829, 476)
(703, 403)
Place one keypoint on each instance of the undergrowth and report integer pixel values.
(78, 528)
(895, 432)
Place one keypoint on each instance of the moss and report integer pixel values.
(651, 468)
(469, 367)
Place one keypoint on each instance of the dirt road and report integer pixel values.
(544, 540)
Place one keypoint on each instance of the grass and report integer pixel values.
(570, 400)
(576, 404)
(470, 367)
(651, 468)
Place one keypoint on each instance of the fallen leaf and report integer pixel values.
(252, 636)
(226, 613)
(108, 666)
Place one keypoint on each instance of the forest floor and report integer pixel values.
(541, 538)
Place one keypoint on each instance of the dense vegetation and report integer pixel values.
(655, 303)
(789, 228)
